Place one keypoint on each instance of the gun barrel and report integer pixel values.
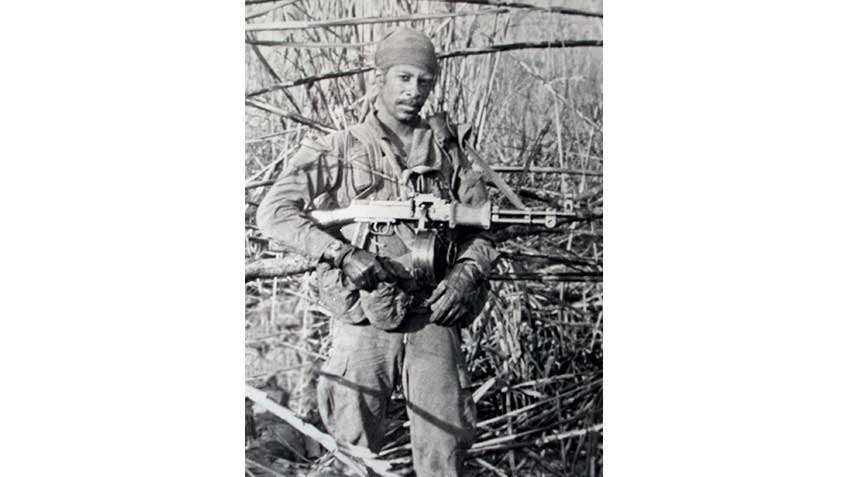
(548, 218)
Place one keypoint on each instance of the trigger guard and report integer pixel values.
(382, 228)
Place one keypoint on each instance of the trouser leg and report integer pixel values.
(439, 404)
(356, 383)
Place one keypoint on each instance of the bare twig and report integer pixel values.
(293, 116)
(550, 277)
(451, 54)
(263, 467)
(546, 170)
(355, 458)
(494, 177)
(301, 25)
(495, 444)
(569, 434)
(523, 45)
(269, 68)
(309, 80)
(301, 44)
(266, 10)
(255, 184)
(499, 3)
(270, 268)
(271, 136)
(490, 467)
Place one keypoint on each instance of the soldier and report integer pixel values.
(388, 328)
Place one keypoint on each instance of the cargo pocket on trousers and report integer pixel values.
(333, 371)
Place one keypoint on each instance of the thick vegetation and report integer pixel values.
(535, 354)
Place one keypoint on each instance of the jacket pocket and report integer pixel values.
(360, 173)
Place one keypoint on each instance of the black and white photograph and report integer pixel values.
(424, 240)
(331, 238)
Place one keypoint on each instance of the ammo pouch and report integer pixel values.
(341, 301)
(384, 308)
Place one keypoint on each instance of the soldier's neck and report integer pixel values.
(402, 130)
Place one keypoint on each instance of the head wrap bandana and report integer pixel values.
(406, 46)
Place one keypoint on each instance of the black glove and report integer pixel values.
(361, 267)
(458, 296)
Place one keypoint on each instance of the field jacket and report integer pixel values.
(367, 161)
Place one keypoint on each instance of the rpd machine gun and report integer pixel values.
(434, 219)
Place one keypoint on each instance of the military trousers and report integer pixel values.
(364, 367)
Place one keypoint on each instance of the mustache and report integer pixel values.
(413, 103)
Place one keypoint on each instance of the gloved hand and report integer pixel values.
(361, 267)
(458, 295)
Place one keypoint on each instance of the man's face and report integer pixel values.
(404, 90)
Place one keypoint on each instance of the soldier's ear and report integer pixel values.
(379, 77)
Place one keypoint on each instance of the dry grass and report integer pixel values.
(536, 353)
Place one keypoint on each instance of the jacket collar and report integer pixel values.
(421, 152)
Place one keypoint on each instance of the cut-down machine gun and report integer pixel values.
(434, 221)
